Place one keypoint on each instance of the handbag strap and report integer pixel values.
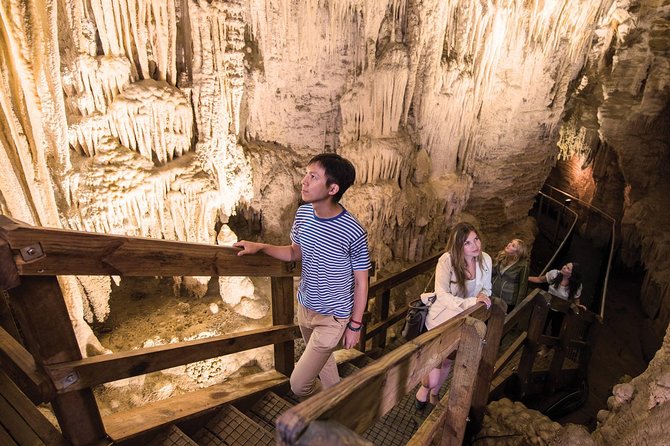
(431, 300)
(432, 276)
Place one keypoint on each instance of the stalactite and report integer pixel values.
(92, 83)
(145, 31)
(217, 91)
(380, 160)
(477, 39)
(373, 108)
(314, 31)
(154, 119)
(119, 191)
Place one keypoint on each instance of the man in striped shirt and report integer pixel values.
(333, 289)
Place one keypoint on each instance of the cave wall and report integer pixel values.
(616, 148)
(166, 119)
(615, 153)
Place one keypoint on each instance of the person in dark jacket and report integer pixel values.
(510, 272)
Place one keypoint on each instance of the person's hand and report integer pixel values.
(247, 247)
(481, 297)
(351, 338)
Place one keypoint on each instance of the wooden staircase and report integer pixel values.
(254, 424)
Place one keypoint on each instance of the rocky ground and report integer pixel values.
(146, 312)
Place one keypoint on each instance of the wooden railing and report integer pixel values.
(574, 342)
(381, 292)
(358, 400)
(52, 369)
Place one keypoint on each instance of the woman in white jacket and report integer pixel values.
(462, 279)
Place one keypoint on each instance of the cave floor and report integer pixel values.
(614, 355)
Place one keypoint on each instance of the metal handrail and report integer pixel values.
(567, 236)
(612, 220)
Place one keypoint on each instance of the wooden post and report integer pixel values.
(560, 350)
(364, 332)
(535, 327)
(45, 324)
(480, 397)
(462, 383)
(283, 314)
(382, 313)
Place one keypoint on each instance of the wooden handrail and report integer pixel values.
(45, 253)
(96, 370)
(371, 392)
(405, 275)
(381, 291)
(520, 313)
(451, 413)
(51, 252)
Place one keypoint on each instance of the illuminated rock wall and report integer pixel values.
(157, 110)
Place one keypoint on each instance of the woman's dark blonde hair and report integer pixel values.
(502, 259)
(459, 234)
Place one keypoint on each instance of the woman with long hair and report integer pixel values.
(565, 284)
(510, 270)
(462, 279)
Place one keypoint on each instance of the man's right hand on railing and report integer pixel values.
(289, 253)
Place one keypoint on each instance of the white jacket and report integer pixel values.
(450, 301)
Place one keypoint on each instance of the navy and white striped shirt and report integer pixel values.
(332, 248)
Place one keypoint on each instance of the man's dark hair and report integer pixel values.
(338, 170)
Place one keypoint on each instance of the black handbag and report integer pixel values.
(415, 320)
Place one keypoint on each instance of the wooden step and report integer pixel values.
(230, 427)
(130, 423)
(266, 410)
(172, 437)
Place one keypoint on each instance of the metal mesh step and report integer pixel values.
(398, 426)
(346, 369)
(232, 428)
(266, 410)
(172, 437)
